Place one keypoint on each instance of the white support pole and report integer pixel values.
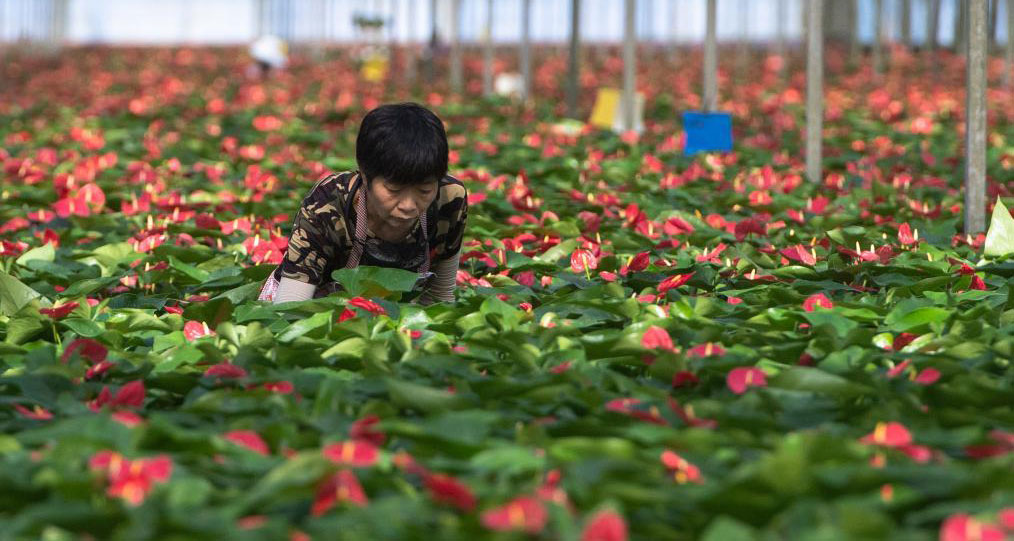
(629, 63)
(975, 123)
(574, 58)
(456, 67)
(526, 49)
(1008, 76)
(781, 49)
(711, 59)
(878, 37)
(815, 90)
(906, 23)
(487, 56)
(932, 25)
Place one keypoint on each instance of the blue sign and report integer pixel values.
(707, 132)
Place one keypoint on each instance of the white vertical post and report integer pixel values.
(975, 114)
(815, 90)
(1008, 78)
(629, 62)
(932, 25)
(456, 68)
(711, 60)
(906, 23)
(487, 57)
(878, 37)
(526, 49)
(574, 58)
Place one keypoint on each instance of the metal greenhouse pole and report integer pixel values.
(975, 113)
(878, 37)
(574, 58)
(487, 56)
(1008, 78)
(711, 60)
(455, 34)
(815, 90)
(906, 23)
(629, 63)
(932, 25)
(526, 49)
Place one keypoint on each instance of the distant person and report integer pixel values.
(269, 53)
(399, 210)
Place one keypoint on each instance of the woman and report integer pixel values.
(399, 210)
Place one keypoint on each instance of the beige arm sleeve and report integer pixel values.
(441, 288)
(293, 290)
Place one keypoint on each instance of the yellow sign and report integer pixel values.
(607, 101)
(374, 69)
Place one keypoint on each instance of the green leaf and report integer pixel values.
(367, 281)
(14, 294)
(40, 253)
(422, 398)
(1000, 235)
(903, 319)
(801, 378)
(198, 275)
(304, 326)
(83, 327)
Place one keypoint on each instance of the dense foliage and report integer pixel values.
(644, 344)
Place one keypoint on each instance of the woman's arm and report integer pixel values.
(293, 290)
(441, 287)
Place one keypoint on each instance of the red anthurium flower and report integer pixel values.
(605, 526)
(962, 527)
(448, 490)
(706, 350)
(677, 226)
(523, 513)
(280, 387)
(977, 283)
(225, 370)
(656, 338)
(682, 470)
(638, 263)
(131, 480)
(130, 395)
(628, 406)
(583, 260)
(800, 253)
(93, 350)
(342, 487)
(365, 429)
(71, 206)
(59, 312)
(888, 435)
(358, 453)
(249, 439)
(368, 305)
(749, 226)
(684, 378)
(37, 412)
(905, 236)
(193, 330)
(127, 418)
(817, 300)
(897, 370)
(741, 378)
(673, 282)
(712, 256)
(928, 376)
(98, 369)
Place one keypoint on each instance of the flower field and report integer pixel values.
(645, 345)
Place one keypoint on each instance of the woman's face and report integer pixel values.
(396, 206)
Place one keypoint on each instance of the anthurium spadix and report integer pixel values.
(1000, 236)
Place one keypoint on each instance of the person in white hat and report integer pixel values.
(270, 53)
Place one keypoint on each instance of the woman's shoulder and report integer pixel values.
(452, 192)
(329, 191)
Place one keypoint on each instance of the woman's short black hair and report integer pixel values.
(403, 142)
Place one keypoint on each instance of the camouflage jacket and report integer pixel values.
(324, 227)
